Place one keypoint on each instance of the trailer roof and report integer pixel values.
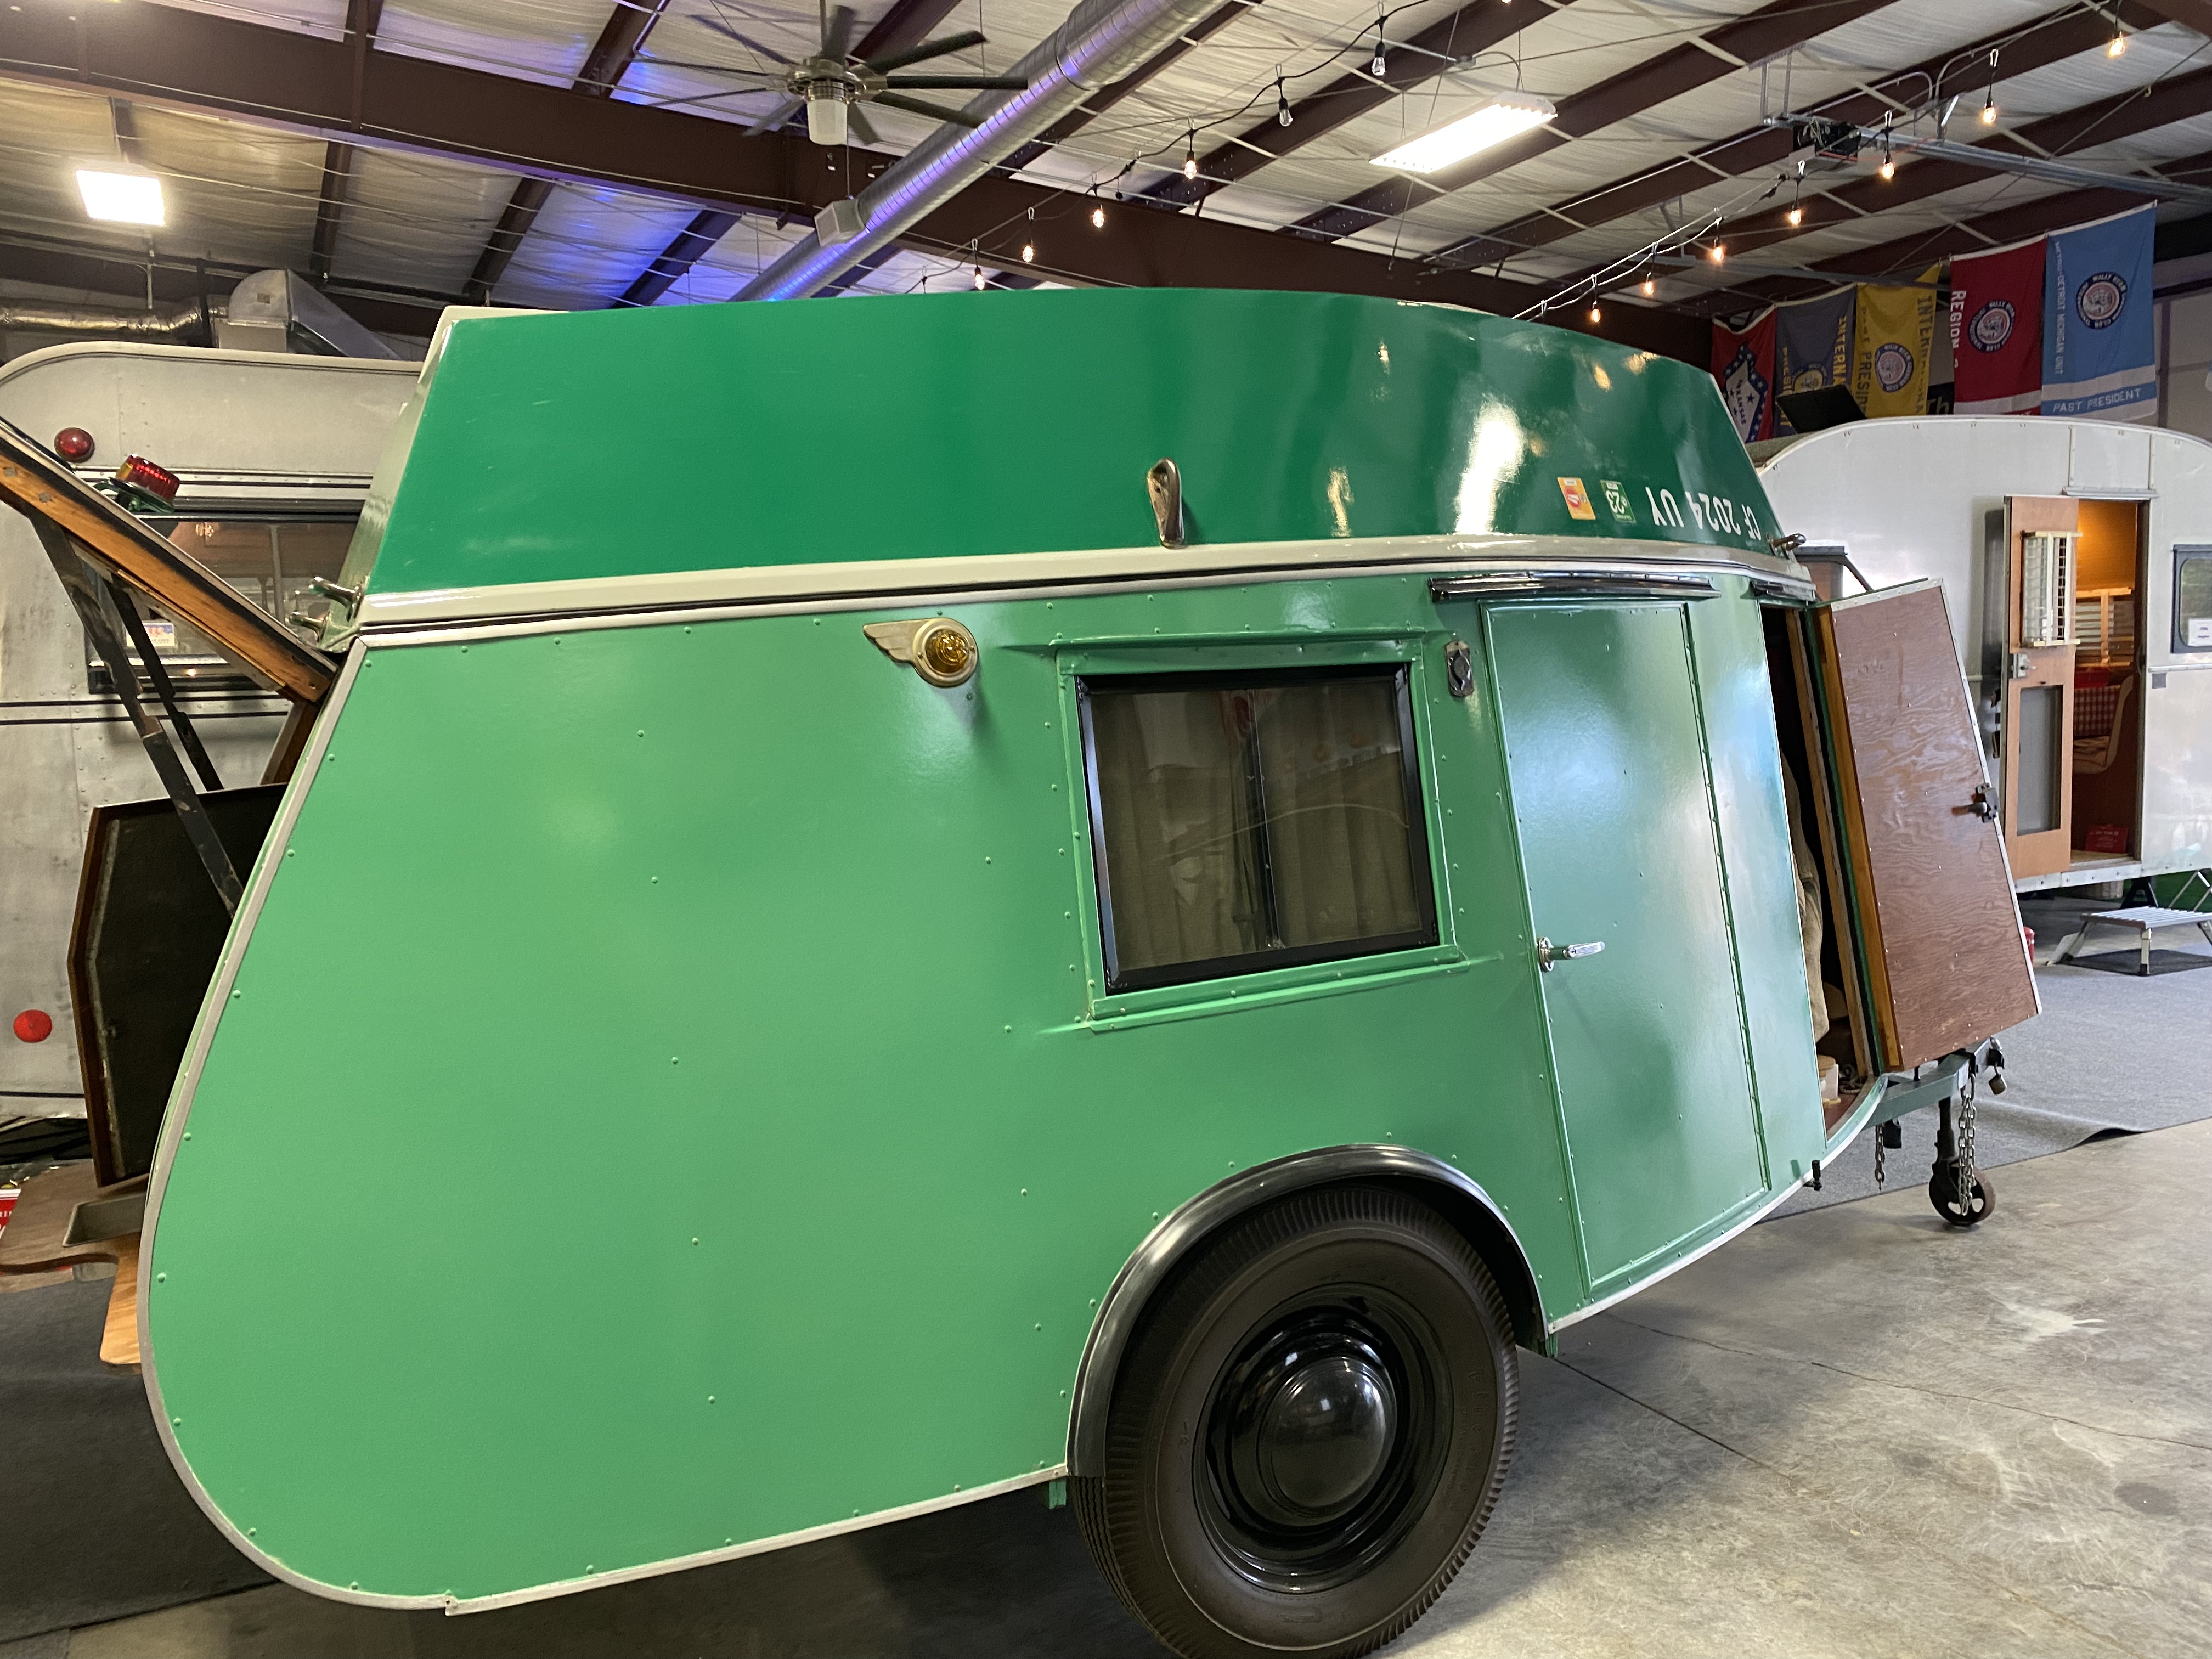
(569, 448)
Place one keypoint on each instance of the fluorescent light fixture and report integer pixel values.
(1491, 122)
(122, 198)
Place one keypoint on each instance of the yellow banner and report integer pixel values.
(1889, 361)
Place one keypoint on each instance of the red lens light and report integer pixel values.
(34, 1026)
(142, 474)
(73, 443)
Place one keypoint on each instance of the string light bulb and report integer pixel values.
(1028, 253)
(1990, 95)
(1381, 45)
(1282, 103)
(1190, 156)
(1717, 252)
(1596, 316)
(977, 284)
(1796, 216)
(1650, 287)
(1888, 167)
(1098, 218)
(2118, 47)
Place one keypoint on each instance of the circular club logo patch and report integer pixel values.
(1809, 379)
(1893, 366)
(2098, 301)
(1992, 326)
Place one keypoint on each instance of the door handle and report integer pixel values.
(1547, 953)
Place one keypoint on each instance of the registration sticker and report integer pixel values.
(1579, 500)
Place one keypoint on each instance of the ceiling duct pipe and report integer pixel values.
(175, 324)
(1100, 41)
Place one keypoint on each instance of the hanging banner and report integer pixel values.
(1889, 359)
(1744, 365)
(2099, 349)
(1996, 331)
(1813, 345)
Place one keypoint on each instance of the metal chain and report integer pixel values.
(1880, 1155)
(1966, 1143)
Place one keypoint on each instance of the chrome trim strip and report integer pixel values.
(457, 1605)
(581, 621)
(685, 589)
(1577, 583)
(1165, 1245)
(180, 1108)
(1847, 1132)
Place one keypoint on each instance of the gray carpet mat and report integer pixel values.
(2109, 1053)
(98, 1525)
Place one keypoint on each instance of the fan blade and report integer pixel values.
(927, 49)
(858, 123)
(775, 118)
(744, 40)
(837, 33)
(915, 106)
(960, 83)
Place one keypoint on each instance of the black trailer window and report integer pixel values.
(2192, 599)
(1255, 821)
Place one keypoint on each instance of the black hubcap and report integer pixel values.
(1321, 1441)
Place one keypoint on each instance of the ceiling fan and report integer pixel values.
(832, 84)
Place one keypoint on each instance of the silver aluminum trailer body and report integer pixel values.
(275, 452)
(1910, 498)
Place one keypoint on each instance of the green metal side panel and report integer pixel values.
(1736, 705)
(672, 1106)
(1615, 810)
(966, 425)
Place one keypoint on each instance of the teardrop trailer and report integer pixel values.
(1138, 949)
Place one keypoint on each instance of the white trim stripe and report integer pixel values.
(685, 589)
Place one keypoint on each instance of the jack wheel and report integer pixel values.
(1943, 1194)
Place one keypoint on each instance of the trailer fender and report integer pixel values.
(1449, 1191)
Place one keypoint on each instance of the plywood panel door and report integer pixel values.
(2038, 706)
(1941, 927)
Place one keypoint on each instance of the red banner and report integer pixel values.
(1996, 331)
(1744, 365)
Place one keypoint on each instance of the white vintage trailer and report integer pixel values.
(2077, 556)
(274, 453)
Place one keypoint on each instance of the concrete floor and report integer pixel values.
(1849, 1433)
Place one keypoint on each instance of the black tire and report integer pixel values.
(1235, 1514)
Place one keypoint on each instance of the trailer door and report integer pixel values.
(1613, 805)
(2042, 535)
(1930, 881)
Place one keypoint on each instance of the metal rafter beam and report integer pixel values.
(1772, 28)
(1923, 248)
(209, 63)
(2140, 109)
(364, 18)
(2189, 14)
(2064, 34)
(1418, 58)
(610, 58)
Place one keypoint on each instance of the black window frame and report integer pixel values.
(2186, 553)
(1399, 676)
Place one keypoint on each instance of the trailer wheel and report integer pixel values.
(1308, 1433)
(1943, 1194)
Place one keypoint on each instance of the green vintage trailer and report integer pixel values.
(1117, 892)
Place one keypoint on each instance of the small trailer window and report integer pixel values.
(1254, 820)
(271, 557)
(2192, 599)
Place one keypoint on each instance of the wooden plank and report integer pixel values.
(1945, 954)
(31, 1241)
(1833, 864)
(118, 1337)
(40, 487)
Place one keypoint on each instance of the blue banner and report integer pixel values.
(2099, 349)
